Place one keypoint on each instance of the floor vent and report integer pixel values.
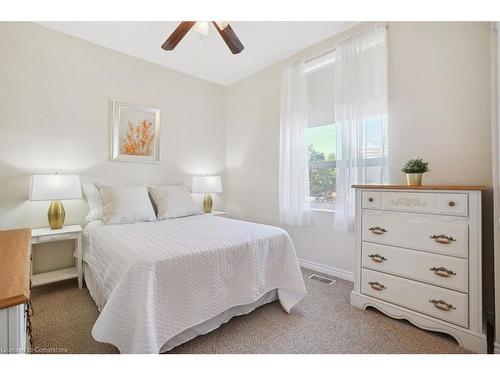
(323, 279)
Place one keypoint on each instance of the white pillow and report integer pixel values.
(126, 204)
(173, 201)
(95, 202)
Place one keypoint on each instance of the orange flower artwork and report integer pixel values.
(138, 140)
(135, 133)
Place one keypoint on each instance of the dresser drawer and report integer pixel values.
(440, 270)
(433, 203)
(434, 301)
(371, 199)
(438, 234)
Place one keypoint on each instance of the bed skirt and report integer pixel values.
(189, 334)
(93, 287)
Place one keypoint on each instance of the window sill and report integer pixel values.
(322, 210)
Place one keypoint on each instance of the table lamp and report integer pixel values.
(55, 187)
(206, 185)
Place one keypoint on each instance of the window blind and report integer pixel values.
(320, 97)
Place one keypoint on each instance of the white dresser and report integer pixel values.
(418, 257)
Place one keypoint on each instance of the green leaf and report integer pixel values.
(415, 166)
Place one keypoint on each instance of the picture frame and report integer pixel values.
(135, 133)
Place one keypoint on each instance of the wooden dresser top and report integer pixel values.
(423, 187)
(14, 267)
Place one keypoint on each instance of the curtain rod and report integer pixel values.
(332, 49)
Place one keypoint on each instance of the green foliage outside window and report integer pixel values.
(321, 179)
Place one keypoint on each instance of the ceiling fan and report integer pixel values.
(224, 29)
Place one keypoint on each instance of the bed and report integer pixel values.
(159, 284)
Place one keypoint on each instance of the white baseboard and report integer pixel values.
(327, 270)
(497, 348)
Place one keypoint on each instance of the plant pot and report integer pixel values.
(414, 179)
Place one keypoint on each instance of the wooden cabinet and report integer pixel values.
(418, 257)
(15, 249)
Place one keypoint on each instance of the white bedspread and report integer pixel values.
(164, 277)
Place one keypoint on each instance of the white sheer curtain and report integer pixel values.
(294, 169)
(361, 118)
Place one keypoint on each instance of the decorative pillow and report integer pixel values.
(126, 204)
(94, 201)
(173, 201)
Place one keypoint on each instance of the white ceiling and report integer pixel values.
(266, 43)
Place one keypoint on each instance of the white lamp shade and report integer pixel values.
(49, 187)
(207, 184)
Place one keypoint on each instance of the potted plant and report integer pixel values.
(414, 168)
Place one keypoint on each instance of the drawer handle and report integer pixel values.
(451, 203)
(371, 199)
(442, 271)
(442, 238)
(377, 258)
(376, 285)
(442, 305)
(377, 230)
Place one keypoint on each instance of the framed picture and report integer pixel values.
(135, 133)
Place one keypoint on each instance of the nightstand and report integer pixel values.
(44, 235)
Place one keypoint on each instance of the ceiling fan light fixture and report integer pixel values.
(201, 27)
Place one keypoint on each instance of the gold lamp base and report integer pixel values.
(56, 215)
(207, 203)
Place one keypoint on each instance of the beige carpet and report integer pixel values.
(323, 323)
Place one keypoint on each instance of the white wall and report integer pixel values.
(439, 109)
(55, 109)
(439, 105)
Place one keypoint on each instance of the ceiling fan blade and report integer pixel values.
(177, 35)
(230, 38)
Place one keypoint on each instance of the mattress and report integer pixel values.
(159, 280)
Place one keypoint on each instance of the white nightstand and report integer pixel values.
(44, 235)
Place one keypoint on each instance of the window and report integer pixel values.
(322, 165)
(374, 150)
(321, 132)
(325, 139)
